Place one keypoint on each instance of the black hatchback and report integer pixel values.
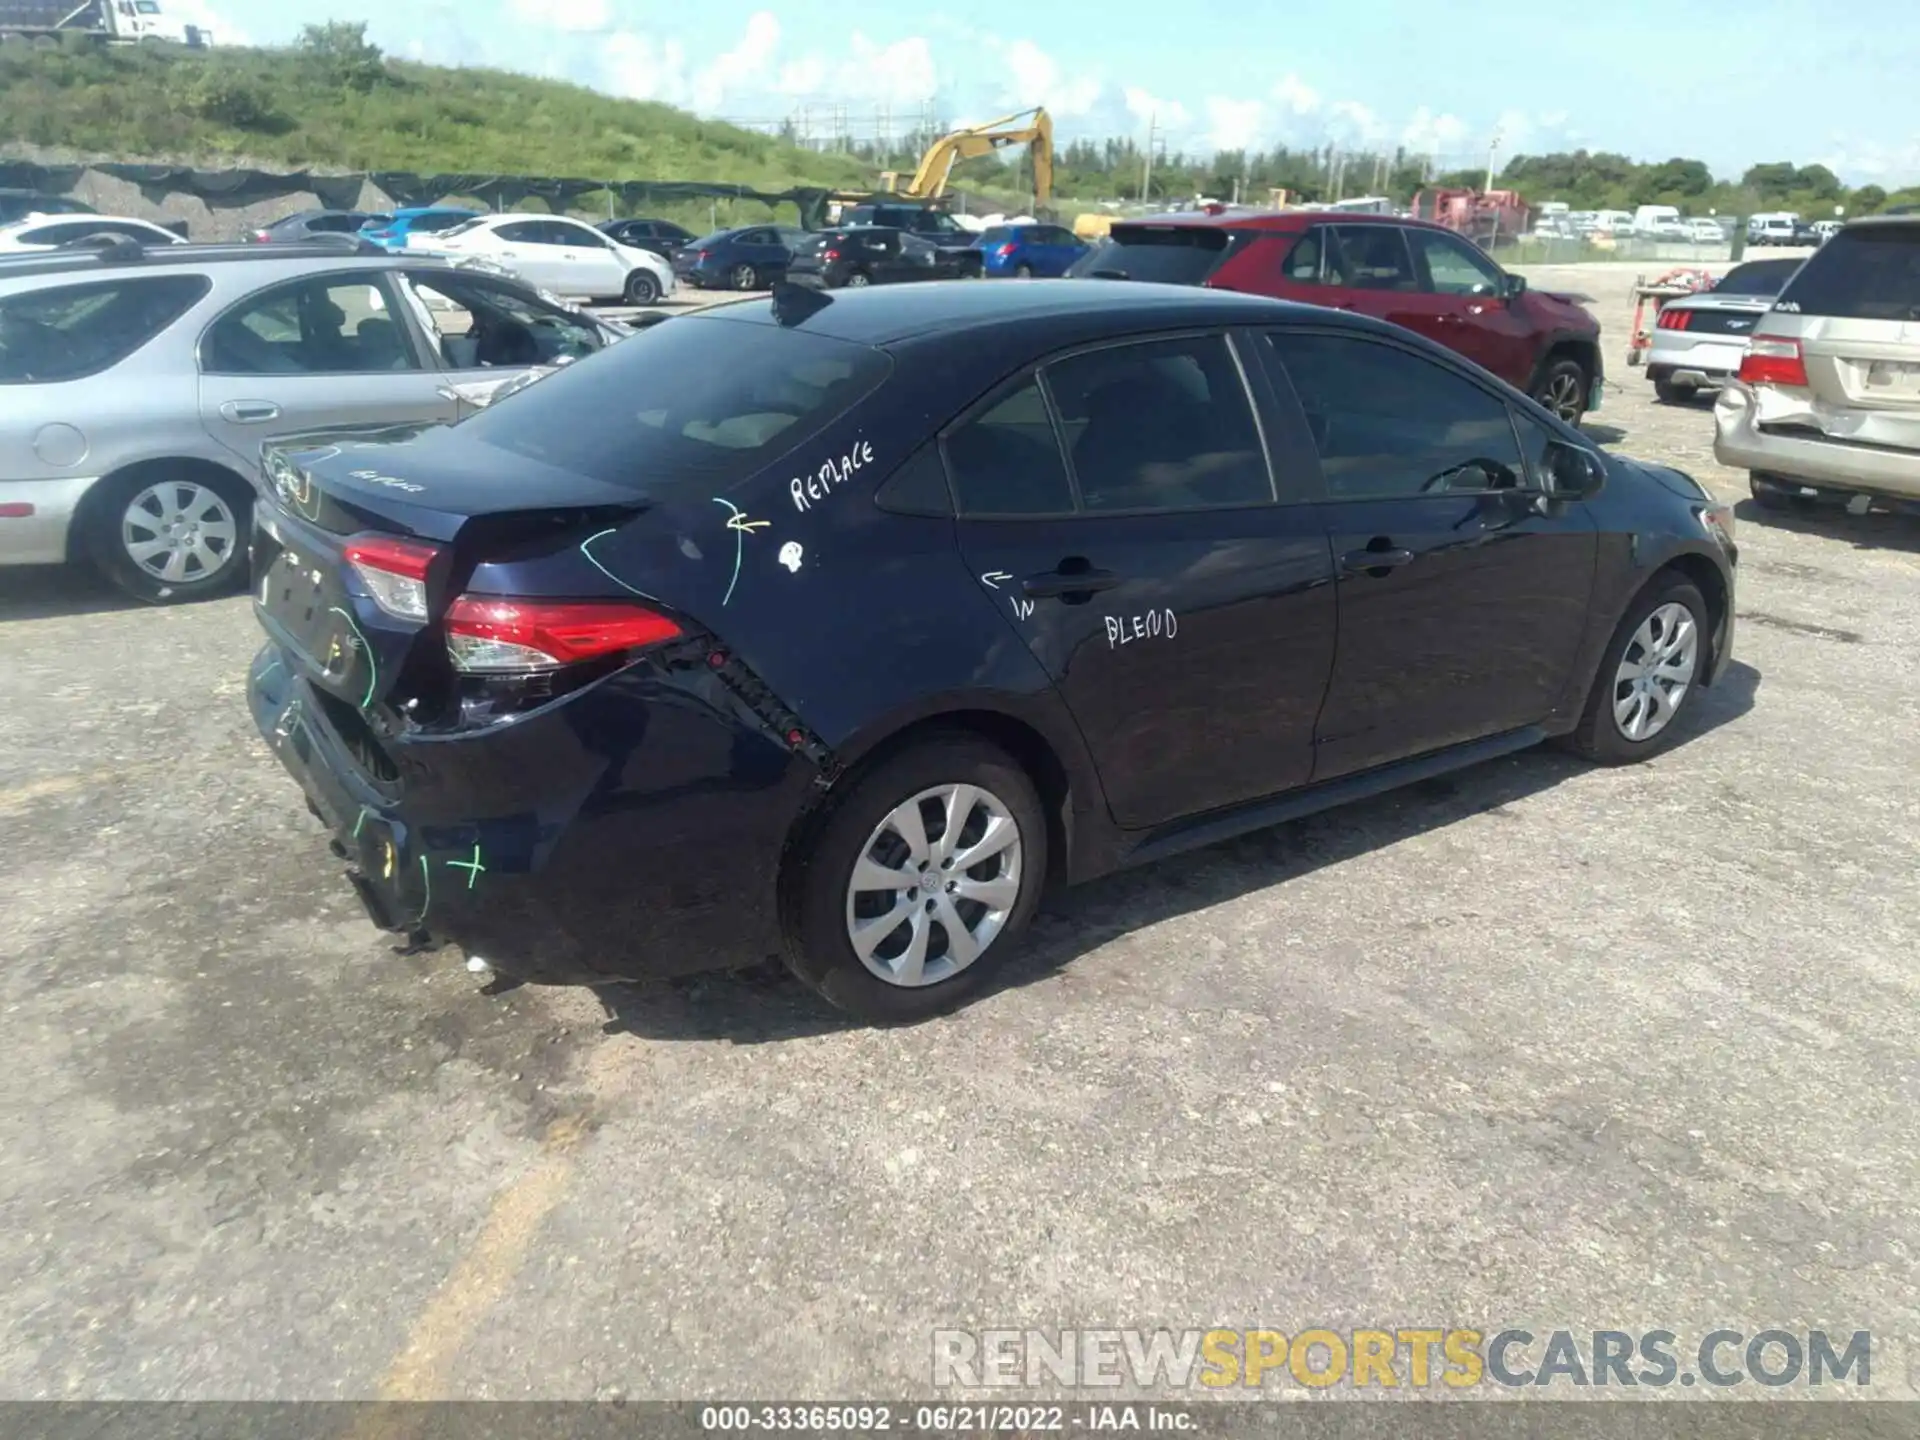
(838, 626)
(870, 255)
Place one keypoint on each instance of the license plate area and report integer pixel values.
(306, 607)
(1893, 379)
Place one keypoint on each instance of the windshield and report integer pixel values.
(1757, 277)
(1173, 255)
(1870, 273)
(690, 406)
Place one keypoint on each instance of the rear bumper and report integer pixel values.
(40, 537)
(1738, 442)
(1697, 361)
(632, 829)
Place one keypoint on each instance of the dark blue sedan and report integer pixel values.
(752, 257)
(1028, 252)
(839, 626)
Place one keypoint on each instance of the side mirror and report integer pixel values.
(1573, 471)
(1516, 286)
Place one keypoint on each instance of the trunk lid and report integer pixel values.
(414, 485)
(1854, 306)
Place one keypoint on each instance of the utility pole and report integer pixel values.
(1492, 146)
(1146, 162)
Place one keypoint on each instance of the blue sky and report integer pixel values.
(1763, 80)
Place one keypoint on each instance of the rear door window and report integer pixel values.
(1160, 425)
(701, 402)
(1374, 257)
(72, 331)
(1868, 273)
(336, 325)
(1167, 254)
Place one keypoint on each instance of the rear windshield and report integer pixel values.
(1173, 255)
(73, 331)
(695, 402)
(440, 220)
(1872, 273)
(1756, 277)
(996, 235)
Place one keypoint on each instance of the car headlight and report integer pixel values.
(1717, 520)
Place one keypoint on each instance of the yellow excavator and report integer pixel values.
(1032, 128)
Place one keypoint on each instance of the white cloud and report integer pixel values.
(747, 65)
(1352, 123)
(1429, 134)
(1165, 114)
(641, 68)
(1297, 96)
(575, 15)
(1035, 78)
(1235, 124)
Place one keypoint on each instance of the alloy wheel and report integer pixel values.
(178, 531)
(1562, 396)
(857, 279)
(1656, 671)
(934, 885)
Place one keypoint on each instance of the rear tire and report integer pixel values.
(642, 289)
(1562, 388)
(859, 280)
(1672, 394)
(202, 518)
(743, 277)
(927, 972)
(1633, 685)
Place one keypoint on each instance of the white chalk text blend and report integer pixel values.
(1154, 625)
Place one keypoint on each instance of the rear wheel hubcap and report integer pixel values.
(934, 885)
(179, 531)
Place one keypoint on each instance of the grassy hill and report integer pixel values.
(334, 102)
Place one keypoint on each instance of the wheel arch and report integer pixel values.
(1708, 579)
(1025, 742)
(1567, 345)
(100, 494)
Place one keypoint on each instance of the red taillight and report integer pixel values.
(1773, 362)
(394, 572)
(702, 255)
(487, 636)
(1006, 250)
(829, 254)
(261, 236)
(1674, 319)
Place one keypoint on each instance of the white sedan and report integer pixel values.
(557, 254)
(51, 232)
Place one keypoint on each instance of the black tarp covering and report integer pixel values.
(342, 192)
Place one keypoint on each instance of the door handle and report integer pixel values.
(250, 412)
(1051, 584)
(1363, 562)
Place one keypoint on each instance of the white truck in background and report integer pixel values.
(124, 22)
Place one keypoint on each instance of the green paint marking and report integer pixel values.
(426, 883)
(473, 867)
(359, 822)
(373, 668)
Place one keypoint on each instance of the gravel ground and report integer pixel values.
(1540, 1045)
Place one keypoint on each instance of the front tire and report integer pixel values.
(642, 289)
(912, 892)
(1023, 271)
(1562, 388)
(1647, 677)
(744, 277)
(169, 537)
